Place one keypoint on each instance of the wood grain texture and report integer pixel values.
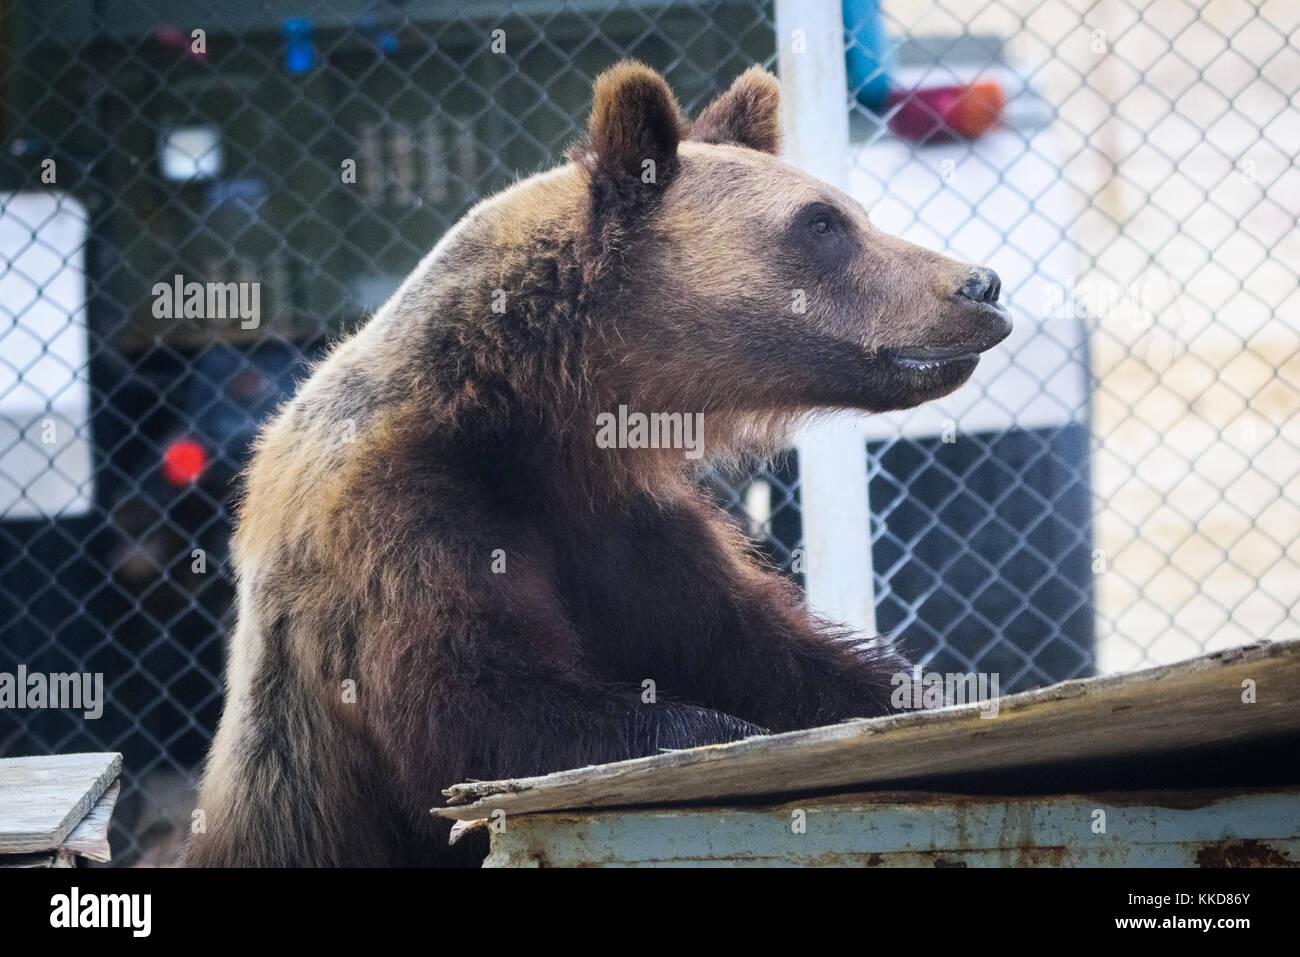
(43, 798)
(1192, 703)
(89, 839)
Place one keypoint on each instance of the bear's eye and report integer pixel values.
(822, 218)
(822, 235)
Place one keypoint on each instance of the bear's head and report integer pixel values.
(732, 281)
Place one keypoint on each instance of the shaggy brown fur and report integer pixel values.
(458, 428)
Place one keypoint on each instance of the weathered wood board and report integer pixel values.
(44, 798)
(1232, 828)
(1189, 704)
(89, 839)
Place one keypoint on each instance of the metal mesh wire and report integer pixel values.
(1118, 488)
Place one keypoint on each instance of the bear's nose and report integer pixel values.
(982, 285)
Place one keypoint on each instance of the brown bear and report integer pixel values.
(443, 575)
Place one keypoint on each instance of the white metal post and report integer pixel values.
(832, 453)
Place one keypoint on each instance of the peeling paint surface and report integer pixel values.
(1246, 828)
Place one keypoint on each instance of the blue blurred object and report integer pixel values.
(385, 41)
(299, 54)
(867, 59)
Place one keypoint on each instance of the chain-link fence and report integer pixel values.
(1119, 485)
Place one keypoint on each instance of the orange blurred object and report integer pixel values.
(978, 109)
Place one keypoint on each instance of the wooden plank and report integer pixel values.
(89, 839)
(1234, 828)
(1192, 703)
(43, 798)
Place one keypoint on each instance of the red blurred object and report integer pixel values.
(184, 461)
(946, 112)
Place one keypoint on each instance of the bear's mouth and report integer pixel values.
(929, 360)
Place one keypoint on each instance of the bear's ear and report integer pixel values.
(748, 114)
(634, 118)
